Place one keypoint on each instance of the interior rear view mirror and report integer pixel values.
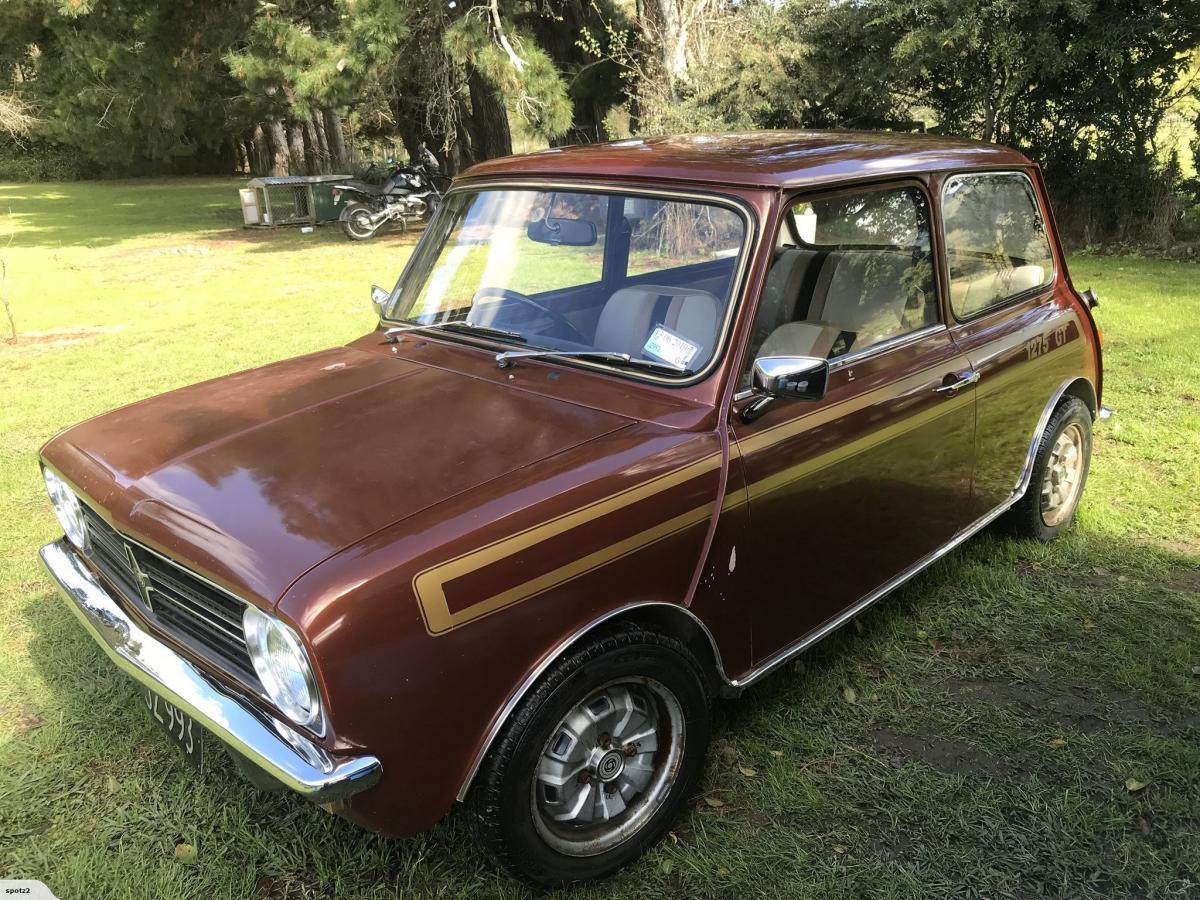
(567, 232)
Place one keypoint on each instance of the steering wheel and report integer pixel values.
(560, 321)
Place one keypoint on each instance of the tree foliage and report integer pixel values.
(296, 85)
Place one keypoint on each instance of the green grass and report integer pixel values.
(972, 736)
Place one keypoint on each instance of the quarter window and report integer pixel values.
(996, 244)
(850, 271)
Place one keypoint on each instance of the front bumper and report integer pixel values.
(271, 746)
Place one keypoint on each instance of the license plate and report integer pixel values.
(182, 728)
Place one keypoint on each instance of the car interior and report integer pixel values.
(847, 275)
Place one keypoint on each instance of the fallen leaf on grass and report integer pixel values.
(185, 853)
(778, 754)
(1058, 742)
(748, 772)
(839, 849)
(922, 634)
(666, 866)
(714, 802)
(850, 694)
(1133, 785)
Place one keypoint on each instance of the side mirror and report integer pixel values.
(379, 299)
(788, 378)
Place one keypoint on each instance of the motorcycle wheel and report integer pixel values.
(356, 223)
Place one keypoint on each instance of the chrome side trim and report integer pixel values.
(929, 559)
(805, 642)
(846, 615)
(559, 648)
(270, 745)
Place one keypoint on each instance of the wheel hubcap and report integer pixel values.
(1064, 474)
(608, 766)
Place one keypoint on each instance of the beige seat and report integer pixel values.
(631, 314)
(971, 294)
(865, 292)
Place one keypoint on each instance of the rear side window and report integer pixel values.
(996, 244)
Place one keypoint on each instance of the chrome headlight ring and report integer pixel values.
(283, 667)
(67, 509)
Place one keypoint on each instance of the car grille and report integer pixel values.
(182, 605)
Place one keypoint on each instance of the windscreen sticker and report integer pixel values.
(670, 347)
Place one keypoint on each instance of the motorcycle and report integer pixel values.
(409, 192)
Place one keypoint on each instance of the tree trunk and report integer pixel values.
(279, 147)
(296, 145)
(318, 121)
(312, 155)
(337, 142)
(489, 118)
(260, 155)
(669, 26)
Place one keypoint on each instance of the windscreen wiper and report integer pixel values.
(451, 324)
(504, 360)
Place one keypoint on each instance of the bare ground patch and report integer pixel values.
(51, 339)
(944, 755)
(1083, 708)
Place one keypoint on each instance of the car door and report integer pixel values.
(849, 492)
(1012, 318)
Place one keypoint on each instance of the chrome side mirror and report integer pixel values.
(379, 299)
(786, 377)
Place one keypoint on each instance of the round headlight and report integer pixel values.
(67, 509)
(282, 666)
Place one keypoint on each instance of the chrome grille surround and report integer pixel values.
(178, 602)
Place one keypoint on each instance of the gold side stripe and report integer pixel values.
(768, 437)
(429, 585)
(438, 617)
(849, 450)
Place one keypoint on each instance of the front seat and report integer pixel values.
(632, 313)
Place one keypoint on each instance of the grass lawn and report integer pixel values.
(1020, 721)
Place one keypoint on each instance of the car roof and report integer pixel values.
(757, 158)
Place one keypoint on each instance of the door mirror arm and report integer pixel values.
(785, 378)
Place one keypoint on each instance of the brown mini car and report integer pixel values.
(506, 549)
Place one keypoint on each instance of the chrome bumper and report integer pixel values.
(284, 755)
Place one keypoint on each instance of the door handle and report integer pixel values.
(965, 379)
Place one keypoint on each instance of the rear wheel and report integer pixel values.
(356, 223)
(596, 763)
(1060, 471)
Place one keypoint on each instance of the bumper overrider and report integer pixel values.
(269, 745)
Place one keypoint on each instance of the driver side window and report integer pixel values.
(851, 271)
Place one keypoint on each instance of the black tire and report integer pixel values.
(501, 805)
(356, 223)
(1028, 517)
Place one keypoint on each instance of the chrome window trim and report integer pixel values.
(892, 343)
(1015, 298)
(895, 183)
(737, 286)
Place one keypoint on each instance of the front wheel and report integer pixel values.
(1060, 470)
(596, 763)
(356, 223)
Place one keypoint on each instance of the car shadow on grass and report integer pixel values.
(98, 749)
